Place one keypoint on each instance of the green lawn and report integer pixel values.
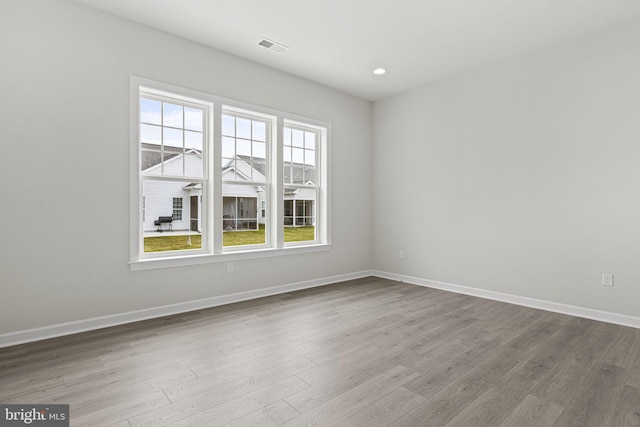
(229, 238)
(171, 243)
(245, 237)
(299, 234)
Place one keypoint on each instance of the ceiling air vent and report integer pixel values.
(272, 46)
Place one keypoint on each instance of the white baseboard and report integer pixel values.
(572, 310)
(52, 331)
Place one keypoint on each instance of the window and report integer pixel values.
(300, 181)
(172, 135)
(246, 140)
(230, 180)
(177, 209)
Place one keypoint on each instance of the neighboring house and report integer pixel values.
(243, 206)
(179, 200)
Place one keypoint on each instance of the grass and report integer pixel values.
(245, 237)
(171, 243)
(229, 238)
(299, 234)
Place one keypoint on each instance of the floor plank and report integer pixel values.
(531, 412)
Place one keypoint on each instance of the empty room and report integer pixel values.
(296, 213)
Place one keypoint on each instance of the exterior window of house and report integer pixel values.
(177, 208)
(301, 182)
(231, 181)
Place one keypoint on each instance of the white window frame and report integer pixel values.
(212, 250)
(237, 112)
(319, 202)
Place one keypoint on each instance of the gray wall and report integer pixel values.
(522, 177)
(64, 167)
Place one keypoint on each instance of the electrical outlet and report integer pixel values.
(229, 267)
(607, 279)
(401, 254)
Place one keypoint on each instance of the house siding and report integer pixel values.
(159, 195)
(159, 202)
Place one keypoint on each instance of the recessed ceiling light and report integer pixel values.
(379, 71)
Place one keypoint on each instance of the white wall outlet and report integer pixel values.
(229, 267)
(401, 253)
(607, 279)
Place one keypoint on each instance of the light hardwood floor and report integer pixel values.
(369, 352)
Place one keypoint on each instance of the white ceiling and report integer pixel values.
(338, 43)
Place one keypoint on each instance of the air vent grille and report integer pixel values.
(272, 46)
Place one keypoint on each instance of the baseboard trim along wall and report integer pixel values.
(62, 329)
(572, 310)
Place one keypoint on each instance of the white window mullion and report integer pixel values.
(215, 178)
(323, 207)
(277, 179)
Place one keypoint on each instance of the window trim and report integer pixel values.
(213, 251)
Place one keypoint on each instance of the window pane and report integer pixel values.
(243, 147)
(172, 137)
(287, 174)
(309, 157)
(193, 119)
(150, 134)
(298, 156)
(244, 215)
(259, 150)
(228, 125)
(259, 131)
(228, 147)
(310, 140)
(150, 111)
(172, 220)
(193, 140)
(172, 115)
(310, 175)
(243, 128)
(297, 138)
(286, 154)
(287, 136)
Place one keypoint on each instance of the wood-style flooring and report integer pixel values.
(369, 352)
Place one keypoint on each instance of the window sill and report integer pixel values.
(182, 261)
